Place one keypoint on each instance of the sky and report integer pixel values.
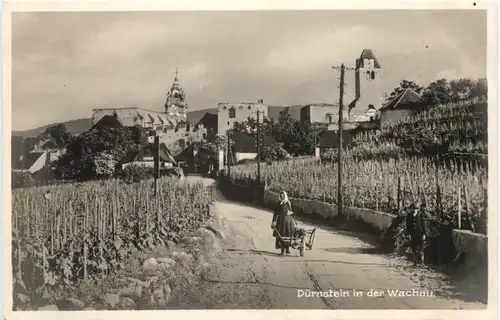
(64, 64)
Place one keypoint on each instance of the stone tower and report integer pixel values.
(367, 81)
(176, 99)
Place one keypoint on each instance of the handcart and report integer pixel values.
(298, 241)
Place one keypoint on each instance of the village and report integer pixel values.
(181, 140)
(174, 160)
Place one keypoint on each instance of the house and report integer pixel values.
(329, 139)
(245, 147)
(145, 157)
(320, 113)
(403, 105)
(228, 114)
(209, 123)
(107, 121)
(36, 160)
(189, 159)
(130, 117)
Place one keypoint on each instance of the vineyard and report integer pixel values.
(63, 235)
(374, 184)
(454, 128)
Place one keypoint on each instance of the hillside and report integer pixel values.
(73, 126)
(456, 128)
(82, 125)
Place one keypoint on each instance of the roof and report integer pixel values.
(367, 54)
(330, 139)
(107, 121)
(128, 116)
(147, 150)
(209, 120)
(185, 153)
(245, 143)
(407, 99)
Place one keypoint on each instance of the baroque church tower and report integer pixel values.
(176, 99)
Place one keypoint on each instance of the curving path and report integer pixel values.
(251, 275)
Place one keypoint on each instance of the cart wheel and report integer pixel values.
(301, 252)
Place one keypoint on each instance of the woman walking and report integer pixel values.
(283, 224)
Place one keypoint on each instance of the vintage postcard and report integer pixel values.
(325, 159)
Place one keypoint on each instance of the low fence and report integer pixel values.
(252, 193)
(376, 219)
(473, 246)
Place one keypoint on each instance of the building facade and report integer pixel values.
(228, 114)
(368, 93)
(320, 113)
(403, 105)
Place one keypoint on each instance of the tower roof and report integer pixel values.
(367, 54)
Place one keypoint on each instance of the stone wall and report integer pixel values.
(376, 219)
(473, 245)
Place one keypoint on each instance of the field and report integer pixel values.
(441, 130)
(374, 184)
(62, 235)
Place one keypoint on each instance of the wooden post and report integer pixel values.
(399, 195)
(85, 217)
(340, 140)
(484, 218)
(259, 138)
(227, 154)
(156, 158)
(459, 208)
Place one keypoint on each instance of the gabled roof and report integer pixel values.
(209, 120)
(165, 154)
(108, 121)
(405, 100)
(367, 54)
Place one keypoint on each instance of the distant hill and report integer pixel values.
(73, 126)
(82, 125)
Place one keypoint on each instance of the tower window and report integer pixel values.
(329, 118)
(232, 112)
(249, 107)
(367, 75)
(373, 75)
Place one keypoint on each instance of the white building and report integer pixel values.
(230, 113)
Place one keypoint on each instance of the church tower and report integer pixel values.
(367, 81)
(176, 99)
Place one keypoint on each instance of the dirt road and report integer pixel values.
(251, 274)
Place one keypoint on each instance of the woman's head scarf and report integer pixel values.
(285, 199)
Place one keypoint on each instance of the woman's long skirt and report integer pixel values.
(285, 226)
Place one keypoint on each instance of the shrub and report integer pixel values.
(22, 180)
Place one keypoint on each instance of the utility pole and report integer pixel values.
(227, 155)
(258, 145)
(342, 69)
(156, 157)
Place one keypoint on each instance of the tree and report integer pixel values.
(405, 84)
(462, 89)
(91, 154)
(438, 92)
(480, 89)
